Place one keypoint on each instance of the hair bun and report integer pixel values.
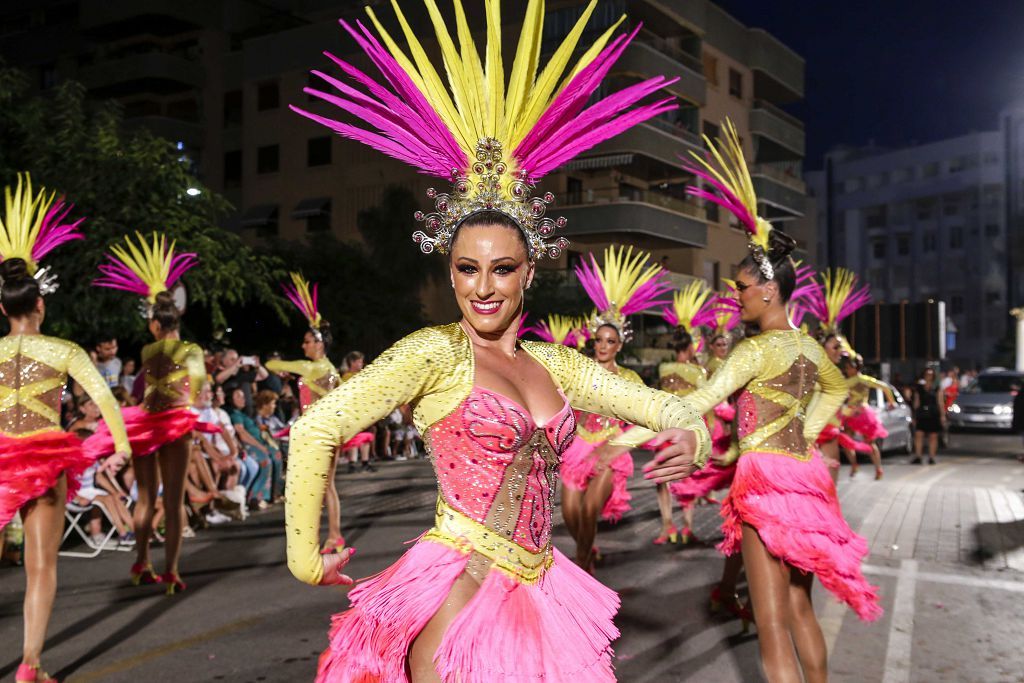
(14, 269)
(780, 245)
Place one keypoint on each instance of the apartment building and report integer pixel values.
(216, 76)
(935, 221)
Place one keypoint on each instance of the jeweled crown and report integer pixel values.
(497, 189)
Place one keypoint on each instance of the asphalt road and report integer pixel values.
(947, 550)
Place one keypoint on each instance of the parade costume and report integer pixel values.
(788, 391)
(535, 616)
(858, 415)
(626, 284)
(173, 369)
(34, 368)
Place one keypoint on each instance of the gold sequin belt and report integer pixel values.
(455, 530)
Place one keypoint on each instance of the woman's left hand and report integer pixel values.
(675, 461)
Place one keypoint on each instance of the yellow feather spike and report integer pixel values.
(623, 273)
(309, 307)
(838, 286)
(730, 169)
(23, 217)
(151, 262)
(524, 68)
(560, 326)
(688, 301)
(495, 71)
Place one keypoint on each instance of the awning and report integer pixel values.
(606, 161)
(261, 214)
(307, 208)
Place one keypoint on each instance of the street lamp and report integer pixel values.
(193, 192)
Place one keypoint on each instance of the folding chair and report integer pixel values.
(73, 513)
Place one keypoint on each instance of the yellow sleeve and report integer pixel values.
(402, 374)
(878, 384)
(303, 368)
(82, 370)
(196, 370)
(826, 401)
(591, 388)
(741, 366)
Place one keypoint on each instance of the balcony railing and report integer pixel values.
(609, 195)
(780, 113)
(667, 48)
(677, 128)
(783, 174)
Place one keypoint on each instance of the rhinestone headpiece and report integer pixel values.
(497, 189)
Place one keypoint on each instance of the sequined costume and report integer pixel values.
(683, 379)
(857, 415)
(781, 487)
(34, 450)
(536, 615)
(174, 372)
(579, 465)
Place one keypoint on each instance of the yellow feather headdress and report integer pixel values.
(627, 283)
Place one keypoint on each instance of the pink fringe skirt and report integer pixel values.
(794, 507)
(701, 483)
(31, 465)
(578, 468)
(558, 630)
(833, 433)
(358, 440)
(147, 431)
(866, 423)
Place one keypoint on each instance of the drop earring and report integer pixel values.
(766, 299)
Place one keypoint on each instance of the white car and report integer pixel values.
(896, 420)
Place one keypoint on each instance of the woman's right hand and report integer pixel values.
(333, 564)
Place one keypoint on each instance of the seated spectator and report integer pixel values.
(261, 492)
(123, 397)
(238, 372)
(221, 451)
(200, 487)
(270, 424)
(95, 489)
(128, 374)
(106, 360)
(87, 416)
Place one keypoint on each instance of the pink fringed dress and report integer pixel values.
(782, 487)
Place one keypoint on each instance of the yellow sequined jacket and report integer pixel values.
(174, 372)
(433, 369)
(860, 386)
(319, 376)
(33, 371)
(681, 378)
(791, 390)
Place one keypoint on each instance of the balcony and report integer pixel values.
(780, 135)
(655, 139)
(778, 71)
(168, 128)
(155, 72)
(113, 18)
(650, 55)
(783, 192)
(641, 212)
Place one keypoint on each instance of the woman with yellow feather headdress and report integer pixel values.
(40, 463)
(160, 427)
(596, 469)
(483, 595)
(782, 510)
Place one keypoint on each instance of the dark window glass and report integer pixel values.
(318, 151)
(321, 222)
(233, 168)
(573, 191)
(735, 83)
(232, 108)
(267, 159)
(878, 248)
(903, 245)
(956, 238)
(267, 96)
(269, 228)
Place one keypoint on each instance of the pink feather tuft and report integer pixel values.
(54, 232)
(590, 277)
(723, 196)
(116, 275)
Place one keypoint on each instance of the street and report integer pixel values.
(947, 550)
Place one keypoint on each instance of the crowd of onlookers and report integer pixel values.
(236, 470)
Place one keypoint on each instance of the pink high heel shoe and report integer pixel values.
(143, 574)
(32, 674)
(174, 583)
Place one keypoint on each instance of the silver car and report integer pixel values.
(987, 402)
(896, 421)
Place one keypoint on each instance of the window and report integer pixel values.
(925, 210)
(878, 249)
(950, 208)
(233, 168)
(712, 271)
(956, 304)
(903, 245)
(267, 160)
(573, 191)
(992, 230)
(321, 221)
(735, 83)
(710, 130)
(852, 185)
(711, 69)
(931, 169)
(928, 242)
(956, 238)
(269, 227)
(993, 298)
(232, 108)
(318, 151)
(267, 96)
(877, 216)
(711, 211)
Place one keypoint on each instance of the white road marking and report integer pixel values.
(951, 579)
(901, 630)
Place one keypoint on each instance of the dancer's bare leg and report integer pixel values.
(148, 479)
(599, 490)
(572, 510)
(665, 508)
(421, 654)
(876, 459)
(769, 580)
(173, 460)
(830, 453)
(43, 521)
(807, 636)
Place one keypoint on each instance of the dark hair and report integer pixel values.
(165, 312)
(20, 291)
(681, 340)
(780, 246)
(263, 398)
(323, 334)
(353, 356)
(491, 217)
(618, 333)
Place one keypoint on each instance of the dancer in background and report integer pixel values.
(357, 449)
(596, 468)
(483, 596)
(40, 464)
(782, 509)
(160, 428)
(317, 376)
(858, 416)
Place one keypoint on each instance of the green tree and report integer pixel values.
(122, 182)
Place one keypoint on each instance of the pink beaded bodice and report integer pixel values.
(495, 466)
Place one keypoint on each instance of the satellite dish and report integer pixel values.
(180, 296)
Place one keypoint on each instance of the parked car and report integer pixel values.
(987, 402)
(896, 421)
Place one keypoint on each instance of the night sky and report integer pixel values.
(897, 72)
